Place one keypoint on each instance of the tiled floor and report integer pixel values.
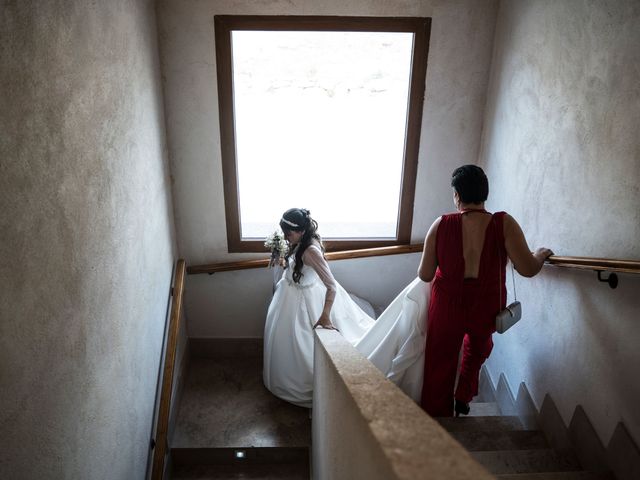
(225, 407)
(225, 404)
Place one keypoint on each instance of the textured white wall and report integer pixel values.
(234, 304)
(457, 77)
(87, 245)
(562, 151)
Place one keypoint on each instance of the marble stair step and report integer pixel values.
(556, 476)
(256, 463)
(186, 457)
(486, 424)
(475, 441)
(527, 461)
(484, 409)
(244, 472)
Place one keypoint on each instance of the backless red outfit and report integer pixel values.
(461, 310)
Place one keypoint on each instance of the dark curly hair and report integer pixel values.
(471, 184)
(299, 220)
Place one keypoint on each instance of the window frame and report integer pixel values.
(224, 26)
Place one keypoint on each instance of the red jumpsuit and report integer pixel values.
(461, 309)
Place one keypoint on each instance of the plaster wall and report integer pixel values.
(457, 77)
(234, 304)
(87, 245)
(562, 152)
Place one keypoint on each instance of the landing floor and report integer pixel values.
(225, 407)
(225, 404)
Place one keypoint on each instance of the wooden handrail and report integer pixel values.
(263, 262)
(162, 426)
(596, 264)
(585, 263)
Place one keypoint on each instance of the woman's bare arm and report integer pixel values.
(525, 262)
(429, 260)
(313, 257)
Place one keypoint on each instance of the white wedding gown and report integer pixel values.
(394, 342)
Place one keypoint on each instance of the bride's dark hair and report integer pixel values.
(299, 220)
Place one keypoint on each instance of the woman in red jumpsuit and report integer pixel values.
(464, 256)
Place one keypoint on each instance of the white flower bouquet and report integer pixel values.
(278, 246)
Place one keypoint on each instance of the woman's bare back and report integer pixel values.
(474, 231)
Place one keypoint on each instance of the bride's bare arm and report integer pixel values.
(527, 263)
(313, 257)
(429, 261)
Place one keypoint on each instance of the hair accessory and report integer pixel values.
(291, 224)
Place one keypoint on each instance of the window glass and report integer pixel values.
(320, 119)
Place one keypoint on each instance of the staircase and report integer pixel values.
(510, 451)
(230, 427)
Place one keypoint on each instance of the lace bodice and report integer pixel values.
(314, 269)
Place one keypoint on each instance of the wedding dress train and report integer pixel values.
(394, 342)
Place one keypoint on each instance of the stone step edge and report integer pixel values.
(481, 423)
(568, 475)
(539, 460)
(229, 455)
(529, 439)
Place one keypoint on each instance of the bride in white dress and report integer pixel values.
(308, 296)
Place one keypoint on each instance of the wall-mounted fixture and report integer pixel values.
(612, 279)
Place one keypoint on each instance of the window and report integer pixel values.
(321, 113)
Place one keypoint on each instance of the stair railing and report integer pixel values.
(212, 268)
(161, 441)
(599, 265)
(364, 426)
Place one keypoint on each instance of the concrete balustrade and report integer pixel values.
(365, 427)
